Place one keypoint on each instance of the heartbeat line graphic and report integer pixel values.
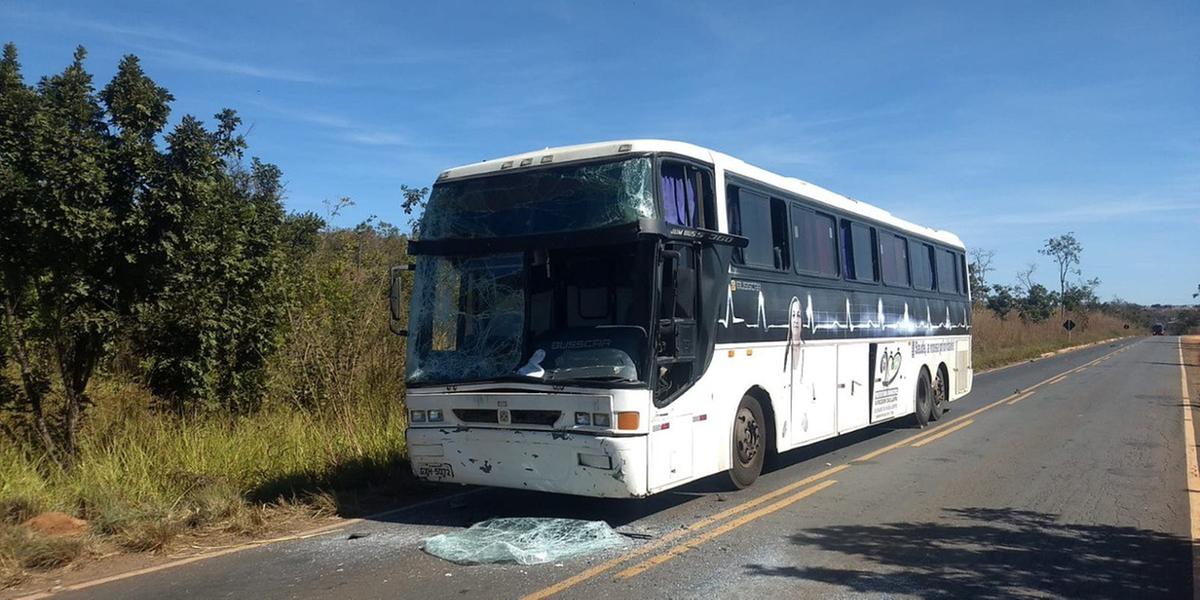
(878, 321)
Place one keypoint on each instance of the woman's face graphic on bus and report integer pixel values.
(795, 320)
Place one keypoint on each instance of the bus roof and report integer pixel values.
(724, 162)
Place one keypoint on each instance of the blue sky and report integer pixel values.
(1005, 122)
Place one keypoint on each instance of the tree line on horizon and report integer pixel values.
(1033, 302)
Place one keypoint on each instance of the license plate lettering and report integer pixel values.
(435, 471)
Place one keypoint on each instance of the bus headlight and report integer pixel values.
(435, 415)
(582, 419)
(417, 416)
(601, 419)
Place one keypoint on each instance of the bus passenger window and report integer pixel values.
(814, 241)
(764, 221)
(893, 252)
(922, 265)
(948, 273)
(858, 251)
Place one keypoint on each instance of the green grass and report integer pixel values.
(143, 477)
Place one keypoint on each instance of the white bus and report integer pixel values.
(619, 318)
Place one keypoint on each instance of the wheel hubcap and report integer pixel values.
(939, 390)
(748, 437)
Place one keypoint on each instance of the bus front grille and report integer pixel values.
(546, 418)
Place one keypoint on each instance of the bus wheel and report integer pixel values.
(939, 396)
(749, 443)
(924, 398)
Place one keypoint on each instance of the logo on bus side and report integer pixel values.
(889, 366)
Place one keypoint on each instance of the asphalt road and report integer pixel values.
(1077, 489)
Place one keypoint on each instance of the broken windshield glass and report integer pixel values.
(554, 315)
(523, 541)
(470, 314)
(541, 200)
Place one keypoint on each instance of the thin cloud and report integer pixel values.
(1084, 213)
(60, 20)
(345, 129)
(375, 138)
(190, 60)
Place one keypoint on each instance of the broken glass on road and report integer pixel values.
(523, 541)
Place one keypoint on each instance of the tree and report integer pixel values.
(1080, 298)
(1038, 304)
(981, 265)
(414, 201)
(105, 236)
(1065, 251)
(1025, 278)
(1002, 300)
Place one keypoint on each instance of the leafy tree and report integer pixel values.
(1038, 304)
(105, 236)
(1065, 251)
(413, 201)
(1080, 298)
(1001, 300)
(61, 301)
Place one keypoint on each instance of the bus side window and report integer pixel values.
(687, 193)
(858, 251)
(893, 252)
(921, 256)
(764, 221)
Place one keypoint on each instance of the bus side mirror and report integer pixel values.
(396, 297)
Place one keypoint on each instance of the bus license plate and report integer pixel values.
(435, 471)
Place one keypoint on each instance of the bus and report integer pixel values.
(617, 319)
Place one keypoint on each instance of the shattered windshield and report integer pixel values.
(578, 315)
(541, 200)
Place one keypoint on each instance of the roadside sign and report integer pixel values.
(1069, 325)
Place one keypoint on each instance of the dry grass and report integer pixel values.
(21, 550)
(996, 342)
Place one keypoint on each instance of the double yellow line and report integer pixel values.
(820, 479)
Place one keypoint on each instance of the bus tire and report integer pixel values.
(749, 443)
(923, 398)
(938, 406)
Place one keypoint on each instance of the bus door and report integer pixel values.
(814, 398)
(854, 370)
(675, 360)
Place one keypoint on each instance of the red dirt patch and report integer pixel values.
(56, 523)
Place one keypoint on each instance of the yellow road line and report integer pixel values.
(1019, 398)
(1193, 471)
(722, 530)
(942, 432)
(674, 535)
(670, 537)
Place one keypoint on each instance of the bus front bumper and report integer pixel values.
(548, 461)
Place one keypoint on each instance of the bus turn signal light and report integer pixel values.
(628, 420)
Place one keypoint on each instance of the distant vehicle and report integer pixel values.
(620, 318)
(1157, 329)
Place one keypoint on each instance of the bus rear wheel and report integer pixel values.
(938, 407)
(749, 443)
(924, 398)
